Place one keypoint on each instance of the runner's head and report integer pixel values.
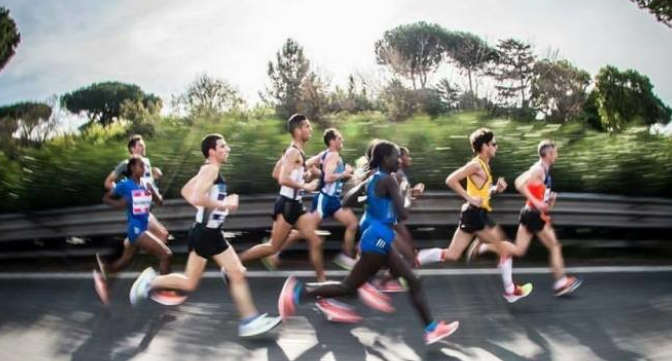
(368, 153)
(135, 168)
(333, 139)
(213, 146)
(547, 151)
(136, 145)
(385, 156)
(483, 142)
(299, 127)
(405, 156)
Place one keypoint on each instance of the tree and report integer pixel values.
(207, 95)
(399, 101)
(625, 97)
(25, 118)
(558, 89)
(101, 102)
(471, 55)
(449, 93)
(513, 72)
(287, 76)
(413, 51)
(314, 100)
(9, 37)
(662, 9)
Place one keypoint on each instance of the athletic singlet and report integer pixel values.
(213, 218)
(484, 191)
(541, 191)
(379, 209)
(138, 200)
(332, 189)
(297, 177)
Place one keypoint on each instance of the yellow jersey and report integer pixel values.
(484, 191)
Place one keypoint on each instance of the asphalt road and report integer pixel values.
(618, 314)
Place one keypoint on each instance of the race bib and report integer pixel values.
(142, 201)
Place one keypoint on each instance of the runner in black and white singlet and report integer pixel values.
(289, 210)
(207, 192)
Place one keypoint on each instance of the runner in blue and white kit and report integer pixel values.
(137, 199)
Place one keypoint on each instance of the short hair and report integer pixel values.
(480, 137)
(133, 140)
(544, 146)
(381, 150)
(329, 135)
(404, 151)
(295, 122)
(131, 162)
(210, 142)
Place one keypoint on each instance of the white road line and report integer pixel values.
(340, 273)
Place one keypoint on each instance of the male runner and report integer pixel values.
(207, 192)
(475, 217)
(289, 210)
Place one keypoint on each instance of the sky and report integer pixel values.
(162, 45)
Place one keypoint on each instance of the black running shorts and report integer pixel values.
(532, 219)
(474, 219)
(290, 209)
(207, 242)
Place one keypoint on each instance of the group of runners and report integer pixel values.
(379, 184)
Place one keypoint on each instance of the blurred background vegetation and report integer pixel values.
(610, 126)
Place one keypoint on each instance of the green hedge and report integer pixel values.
(70, 171)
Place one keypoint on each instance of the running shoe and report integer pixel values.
(518, 293)
(441, 331)
(289, 297)
(258, 325)
(373, 298)
(570, 286)
(472, 252)
(101, 287)
(337, 312)
(140, 288)
(168, 297)
(344, 261)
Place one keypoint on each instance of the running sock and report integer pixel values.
(427, 256)
(506, 268)
(560, 283)
(431, 327)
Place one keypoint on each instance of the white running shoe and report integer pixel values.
(260, 324)
(140, 289)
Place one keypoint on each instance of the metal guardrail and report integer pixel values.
(432, 209)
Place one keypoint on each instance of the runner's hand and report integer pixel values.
(312, 186)
(230, 203)
(501, 185)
